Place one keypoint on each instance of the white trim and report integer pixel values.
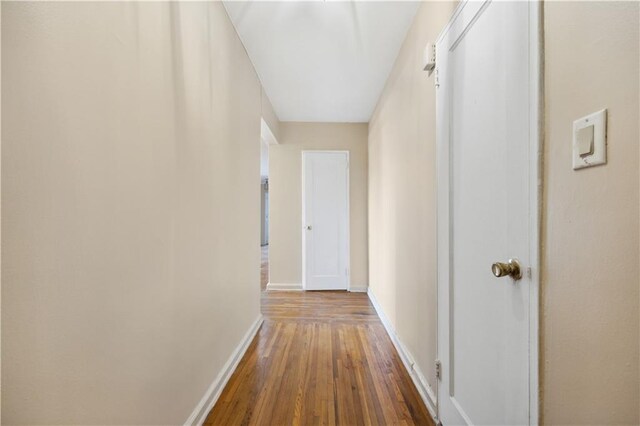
(199, 414)
(426, 392)
(303, 222)
(536, 123)
(358, 289)
(452, 19)
(284, 287)
(266, 134)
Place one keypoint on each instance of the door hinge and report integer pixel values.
(438, 369)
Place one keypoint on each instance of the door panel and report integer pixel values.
(325, 228)
(484, 213)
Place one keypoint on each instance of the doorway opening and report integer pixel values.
(266, 138)
(264, 232)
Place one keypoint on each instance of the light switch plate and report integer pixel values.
(599, 156)
(429, 58)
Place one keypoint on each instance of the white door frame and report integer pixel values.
(303, 220)
(536, 122)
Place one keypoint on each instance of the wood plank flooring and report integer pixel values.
(320, 358)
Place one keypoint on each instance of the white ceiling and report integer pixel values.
(322, 60)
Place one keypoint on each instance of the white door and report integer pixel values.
(487, 213)
(325, 212)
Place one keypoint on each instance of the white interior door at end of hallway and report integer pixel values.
(325, 213)
(487, 129)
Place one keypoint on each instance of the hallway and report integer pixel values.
(443, 198)
(320, 358)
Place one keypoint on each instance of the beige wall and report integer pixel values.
(130, 196)
(402, 193)
(590, 323)
(285, 196)
(0, 219)
(590, 271)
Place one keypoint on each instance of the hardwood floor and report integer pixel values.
(320, 358)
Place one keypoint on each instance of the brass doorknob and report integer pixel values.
(511, 268)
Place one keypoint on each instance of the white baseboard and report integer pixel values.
(284, 287)
(199, 414)
(426, 392)
(358, 289)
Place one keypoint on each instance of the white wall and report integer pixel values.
(269, 115)
(285, 196)
(264, 158)
(130, 196)
(402, 193)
